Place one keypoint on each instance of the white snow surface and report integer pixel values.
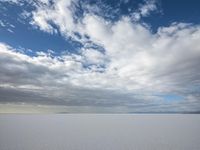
(100, 132)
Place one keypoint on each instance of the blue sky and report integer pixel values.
(110, 56)
(30, 38)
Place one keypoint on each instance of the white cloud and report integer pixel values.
(136, 56)
(145, 10)
(58, 14)
(135, 61)
(11, 1)
(93, 56)
(9, 30)
(42, 22)
(2, 24)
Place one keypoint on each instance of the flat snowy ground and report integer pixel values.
(100, 132)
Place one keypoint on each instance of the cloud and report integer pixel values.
(145, 9)
(11, 1)
(59, 14)
(2, 24)
(130, 67)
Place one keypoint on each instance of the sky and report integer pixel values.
(99, 56)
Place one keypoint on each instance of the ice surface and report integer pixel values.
(100, 132)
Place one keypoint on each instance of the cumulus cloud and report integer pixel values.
(135, 68)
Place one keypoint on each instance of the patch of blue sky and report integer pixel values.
(24, 35)
(21, 34)
(172, 97)
(174, 11)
